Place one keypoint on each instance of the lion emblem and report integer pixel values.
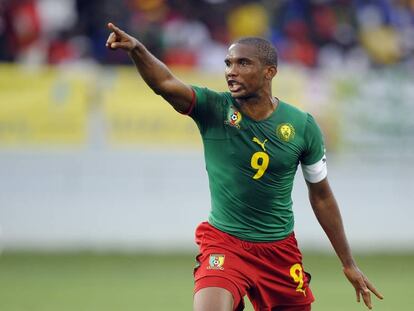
(285, 132)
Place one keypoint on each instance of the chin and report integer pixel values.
(239, 95)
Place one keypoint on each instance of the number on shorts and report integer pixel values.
(261, 167)
(296, 272)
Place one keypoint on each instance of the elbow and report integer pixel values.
(161, 89)
(315, 203)
(157, 90)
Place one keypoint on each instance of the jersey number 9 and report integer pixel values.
(259, 162)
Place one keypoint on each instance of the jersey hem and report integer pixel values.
(243, 238)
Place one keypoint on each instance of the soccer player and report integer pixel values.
(253, 144)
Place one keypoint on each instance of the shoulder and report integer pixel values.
(300, 122)
(292, 110)
(210, 106)
(206, 94)
(294, 115)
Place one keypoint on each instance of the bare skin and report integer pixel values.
(249, 83)
(327, 212)
(213, 299)
(158, 77)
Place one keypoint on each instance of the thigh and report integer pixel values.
(219, 265)
(293, 308)
(213, 299)
(282, 281)
(217, 293)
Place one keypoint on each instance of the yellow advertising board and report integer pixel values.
(135, 115)
(42, 107)
(70, 107)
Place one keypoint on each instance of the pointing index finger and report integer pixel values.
(114, 28)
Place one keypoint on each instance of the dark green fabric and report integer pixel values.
(253, 209)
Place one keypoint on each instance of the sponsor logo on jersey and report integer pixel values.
(285, 132)
(234, 117)
(216, 262)
(261, 144)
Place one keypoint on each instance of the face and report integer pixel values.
(285, 130)
(246, 76)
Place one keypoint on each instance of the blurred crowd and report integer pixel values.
(196, 33)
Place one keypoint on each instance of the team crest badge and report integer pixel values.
(234, 117)
(285, 132)
(216, 262)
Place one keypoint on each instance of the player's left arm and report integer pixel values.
(327, 212)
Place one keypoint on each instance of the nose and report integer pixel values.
(231, 71)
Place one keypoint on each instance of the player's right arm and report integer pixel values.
(154, 72)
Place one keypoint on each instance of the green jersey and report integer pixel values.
(251, 164)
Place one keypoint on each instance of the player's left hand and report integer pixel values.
(362, 285)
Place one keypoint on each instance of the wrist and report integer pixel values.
(348, 264)
(136, 46)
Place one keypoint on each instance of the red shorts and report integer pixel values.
(270, 273)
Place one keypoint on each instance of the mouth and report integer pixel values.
(234, 86)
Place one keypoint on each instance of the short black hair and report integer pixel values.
(266, 51)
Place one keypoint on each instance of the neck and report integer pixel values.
(258, 108)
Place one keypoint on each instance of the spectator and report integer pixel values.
(311, 33)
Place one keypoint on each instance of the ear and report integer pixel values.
(270, 72)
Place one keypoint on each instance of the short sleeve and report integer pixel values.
(314, 143)
(313, 162)
(208, 108)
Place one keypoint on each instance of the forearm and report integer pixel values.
(154, 72)
(328, 214)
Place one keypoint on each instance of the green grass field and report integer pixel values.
(93, 282)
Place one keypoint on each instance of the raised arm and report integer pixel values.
(154, 72)
(327, 212)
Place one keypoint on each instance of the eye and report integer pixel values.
(244, 62)
(227, 63)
